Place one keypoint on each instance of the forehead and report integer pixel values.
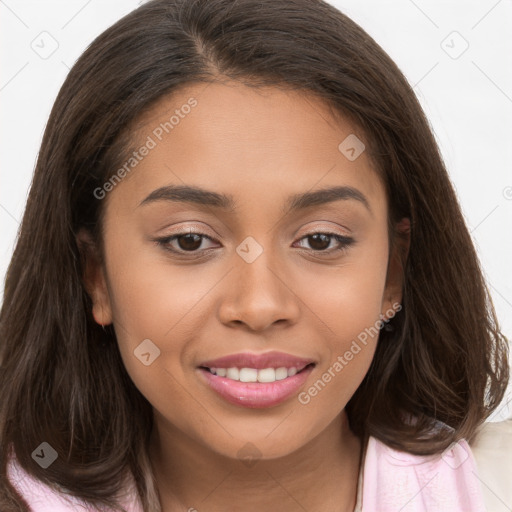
(248, 142)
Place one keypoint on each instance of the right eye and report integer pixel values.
(189, 241)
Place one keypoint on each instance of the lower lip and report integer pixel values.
(255, 394)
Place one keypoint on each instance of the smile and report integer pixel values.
(255, 388)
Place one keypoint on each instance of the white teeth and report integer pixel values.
(269, 375)
(248, 375)
(255, 375)
(281, 373)
(233, 373)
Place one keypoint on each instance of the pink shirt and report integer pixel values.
(389, 481)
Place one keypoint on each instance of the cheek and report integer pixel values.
(346, 303)
(350, 330)
(153, 299)
(149, 293)
(334, 383)
(346, 298)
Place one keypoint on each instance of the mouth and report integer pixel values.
(263, 375)
(255, 388)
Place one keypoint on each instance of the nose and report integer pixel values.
(259, 294)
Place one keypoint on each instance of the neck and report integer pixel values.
(320, 476)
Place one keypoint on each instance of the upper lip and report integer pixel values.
(271, 359)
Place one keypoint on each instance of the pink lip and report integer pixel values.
(271, 359)
(255, 394)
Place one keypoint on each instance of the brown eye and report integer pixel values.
(189, 242)
(320, 242)
(186, 242)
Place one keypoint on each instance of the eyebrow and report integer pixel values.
(296, 202)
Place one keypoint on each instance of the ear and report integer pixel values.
(94, 278)
(393, 291)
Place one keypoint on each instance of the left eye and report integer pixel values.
(190, 242)
(319, 239)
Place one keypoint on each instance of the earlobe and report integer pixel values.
(101, 315)
(101, 309)
(94, 278)
(393, 292)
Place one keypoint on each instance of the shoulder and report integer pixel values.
(395, 480)
(42, 498)
(492, 448)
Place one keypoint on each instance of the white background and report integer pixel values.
(467, 97)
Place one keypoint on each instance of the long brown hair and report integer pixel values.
(62, 377)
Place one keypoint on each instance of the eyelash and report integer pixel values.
(164, 242)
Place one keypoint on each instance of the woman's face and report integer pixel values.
(255, 281)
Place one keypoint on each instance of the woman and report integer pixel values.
(243, 279)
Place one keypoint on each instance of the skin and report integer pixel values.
(260, 146)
